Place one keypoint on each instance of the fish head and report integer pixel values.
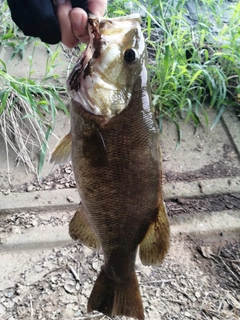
(104, 77)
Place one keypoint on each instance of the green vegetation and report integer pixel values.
(194, 62)
(194, 59)
(28, 107)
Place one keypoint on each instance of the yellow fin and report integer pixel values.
(156, 242)
(81, 229)
(62, 151)
(120, 298)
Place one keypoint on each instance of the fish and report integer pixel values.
(116, 158)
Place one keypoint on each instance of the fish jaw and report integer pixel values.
(102, 81)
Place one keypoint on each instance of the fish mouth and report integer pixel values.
(79, 80)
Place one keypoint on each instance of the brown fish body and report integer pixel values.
(117, 168)
(118, 172)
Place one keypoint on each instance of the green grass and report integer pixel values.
(28, 106)
(191, 66)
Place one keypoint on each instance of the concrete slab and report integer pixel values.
(55, 199)
(211, 226)
(201, 188)
(48, 235)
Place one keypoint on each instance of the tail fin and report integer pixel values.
(116, 298)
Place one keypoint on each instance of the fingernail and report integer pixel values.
(76, 19)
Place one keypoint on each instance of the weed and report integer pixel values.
(28, 106)
(27, 115)
(194, 61)
(194, 58)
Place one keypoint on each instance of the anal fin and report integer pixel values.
(81, 229)
(156, 242)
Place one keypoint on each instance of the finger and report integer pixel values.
(79, 20)
(62, 11)
(97, 7)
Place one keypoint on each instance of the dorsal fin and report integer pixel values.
(62, 151)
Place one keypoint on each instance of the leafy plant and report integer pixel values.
(194, 62)
(194, 57)
(28, 107)
(192, 65)
(27, 115)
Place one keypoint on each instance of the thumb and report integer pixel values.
(97, 7)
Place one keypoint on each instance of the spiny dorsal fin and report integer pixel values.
(62, 151)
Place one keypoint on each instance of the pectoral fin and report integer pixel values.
(81, 229)
(62, 151)
(156, 242)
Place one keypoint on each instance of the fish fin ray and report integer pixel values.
(116, 298)
(156, 242)
(81, 229)
(62, 151)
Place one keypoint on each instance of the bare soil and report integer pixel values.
(197, 280)
(206, 204)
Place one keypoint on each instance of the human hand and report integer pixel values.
(73, 21)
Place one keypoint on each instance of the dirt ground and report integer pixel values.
(198, 279)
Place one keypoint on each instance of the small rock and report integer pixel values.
(70, 199)
(9, 293)
(206, 251)
(70, 285)
(17, 300)
(188, 314)
(54, 279)
(30, 188)
(95, 265)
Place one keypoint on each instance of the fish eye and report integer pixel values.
(130, 55)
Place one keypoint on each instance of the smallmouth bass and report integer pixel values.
(116, 158)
